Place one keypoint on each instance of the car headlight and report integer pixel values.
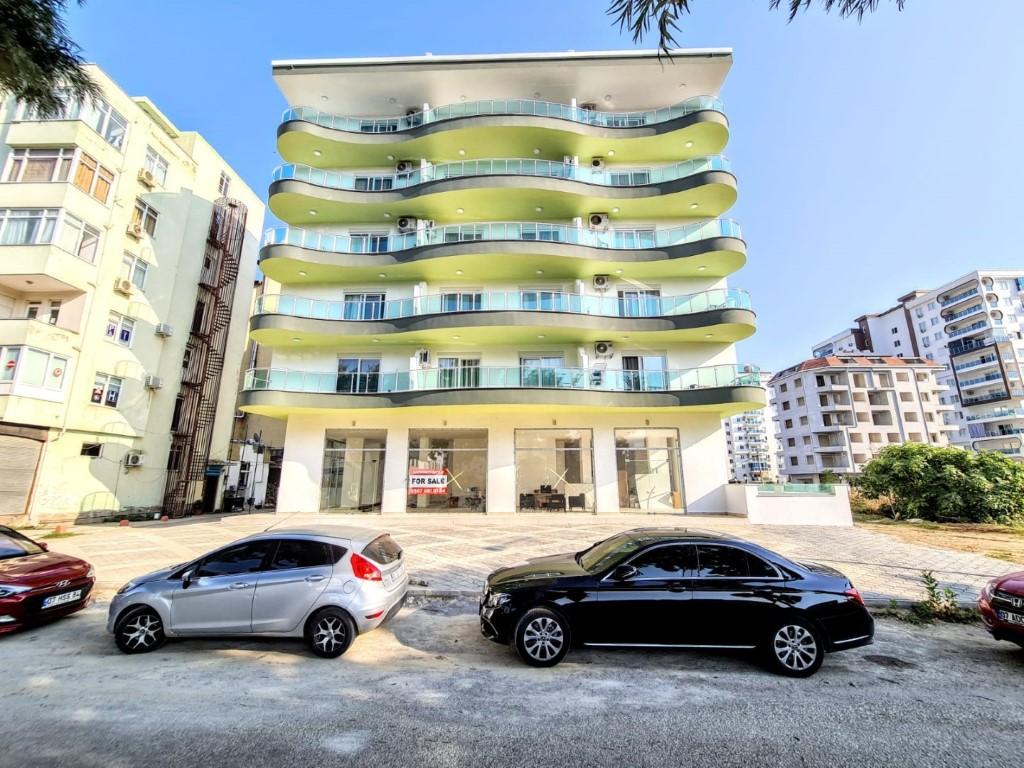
(6, 590)
(498, 599)
(91, 574)
(127, 587)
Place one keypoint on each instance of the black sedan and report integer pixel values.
(675, 588)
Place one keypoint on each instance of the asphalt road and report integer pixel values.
(428, 690)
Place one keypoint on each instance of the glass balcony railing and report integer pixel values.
(781, 489)
(964, 313)
(985, 360)
(998, 413)
(550, 169)
(575, 114)
(631, 305)
(973, 328)
(627, 240)
(1003, 395)
(501, 377)
(959, 297)
(982, 379)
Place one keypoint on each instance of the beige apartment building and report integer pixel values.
(121, 333)
(835, 413)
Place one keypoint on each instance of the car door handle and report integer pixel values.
(239, 585)
(315, 577)
(676, 588)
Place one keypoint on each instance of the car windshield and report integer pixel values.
(607, 553)
(13, 545)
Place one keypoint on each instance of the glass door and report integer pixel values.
(540, 370)
(635, 302)
(458, 373)
(643, 373)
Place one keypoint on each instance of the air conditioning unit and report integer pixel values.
(134, 459)
(406, 166)
(426, 224)
(135, 230)
(601, 282)
(603, 349)
(164, 329)
(406, 224)
(146, 178)
(597, 163)
(599, 221)
(423, 357)
(124, 286)
(153, 382)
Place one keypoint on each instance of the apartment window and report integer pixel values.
(91, 449)
(135, 269)
(78, 238)
(32, 367)
(789, 423)
(937, 335)
(93, 179)
(156, 165)
(919, 312)
(859, 381)
(884, 380)
(910, 416)
(906, 397)
(793, 461)
(26, 166)
(922, 326)
(358, 375)
(224, 185)
(783, 388)
(894, 331)
(364, 306)
(120, 328)
(897, 343)
(785, 405)
(800, 402)
(875, 437)
(27, 226)
(97, 113)
(803, 421)
(368, 242)
(35, 311)
(932, 305)
(934, 321)
(807, 439)
(106, 390)
(926, 342)
(856, 437)
(145, 216)
(808, 459)
(902, 376)
(375, 183)
(799, 382)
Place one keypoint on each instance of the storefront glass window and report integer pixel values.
(353, 479)
(649, 470)
(554, 470)
(447, 470)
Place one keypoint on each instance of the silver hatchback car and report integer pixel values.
(324, 583)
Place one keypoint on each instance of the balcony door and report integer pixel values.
(635, 302)
(358, 374)
(458, 372)
(540, 370)
(364, 306)
(643, 373)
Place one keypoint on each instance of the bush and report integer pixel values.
(945, 484)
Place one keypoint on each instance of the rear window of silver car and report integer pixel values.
(383, 550)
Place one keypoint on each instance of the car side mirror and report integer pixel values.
(43, 546)
(186, 578)
(624, 573)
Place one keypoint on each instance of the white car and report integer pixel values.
(323, 583)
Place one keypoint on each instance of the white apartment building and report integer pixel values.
(752, 445)
(502, 286)
(835, 413)
(121, 239)
(974, 328)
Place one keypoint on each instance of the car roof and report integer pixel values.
(351, 533)
(665, 532)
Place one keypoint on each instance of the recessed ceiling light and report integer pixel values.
(30, 282)
(323, 98)
(462, 153)
(682, 85)
(689, 144)
(707, 335)
(536, 94)
(460, 210)
(615, 209)
(458, 271)
(694, 205)
(538, 209)
(540, 335)
(381, 274)
(618, 271)
(387, 215)
(607, 97)
(391, 157)
(540, 271)
(313, 212)
(701, 268)
(536, 150)
(456, 338)
(392, 100)
(624, 338)
(317, 153)
(376, 341)
(296, 338)
(462, 97)
(611, 153)
(302, 273)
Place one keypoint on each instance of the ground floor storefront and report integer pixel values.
(432, 460)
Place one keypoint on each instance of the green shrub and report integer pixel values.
(945, 484)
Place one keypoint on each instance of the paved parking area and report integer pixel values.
(427, 690)
(454, 553)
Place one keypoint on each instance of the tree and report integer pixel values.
(947, 484)
(640, 15)
(40, 64)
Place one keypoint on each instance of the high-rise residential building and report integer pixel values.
(121, 240)
(502, 284)
(751, 444)
(974, 328)
(835, 413)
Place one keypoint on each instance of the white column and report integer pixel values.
(302, 466)
(501, 470)
(705, 474)
(606, 480)
(396, 462)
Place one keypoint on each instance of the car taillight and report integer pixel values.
(364, 569)
(854, 595)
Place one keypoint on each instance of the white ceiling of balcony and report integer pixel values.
(614, 80)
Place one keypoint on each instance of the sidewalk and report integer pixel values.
(454, 553)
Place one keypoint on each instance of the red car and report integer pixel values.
(37, 585)
(1002, 607)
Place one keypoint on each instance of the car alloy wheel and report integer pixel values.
(541, 637)
(329, 634)
(140, 630)
(795, 648)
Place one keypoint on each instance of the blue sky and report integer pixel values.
(872, 159)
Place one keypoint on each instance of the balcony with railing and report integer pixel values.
(977, 380)
(969, 345)
(982, 361)
(996, 415)
(988, 397)
(712, 248)
(972, 310)
(697, 125)
(978, 327)
(958, 297)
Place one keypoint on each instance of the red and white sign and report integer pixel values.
(428, 482)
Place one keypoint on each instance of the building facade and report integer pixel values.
(503, 285)
(974, 328)
(752, 445)
(122, 238)
(835, 413)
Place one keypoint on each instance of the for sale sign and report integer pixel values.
(428, 482)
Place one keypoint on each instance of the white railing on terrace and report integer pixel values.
(533, 107)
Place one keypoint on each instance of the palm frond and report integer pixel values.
(846, 7)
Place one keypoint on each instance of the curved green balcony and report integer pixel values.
(504, 317)
(485, 190)
(692, 128)
(526, 249)
(724, 389)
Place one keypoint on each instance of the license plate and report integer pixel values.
(1012, 618)
(67, 597)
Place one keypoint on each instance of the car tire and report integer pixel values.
(794, 648)
(541, 637)
(330, 632)
(139, 630)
